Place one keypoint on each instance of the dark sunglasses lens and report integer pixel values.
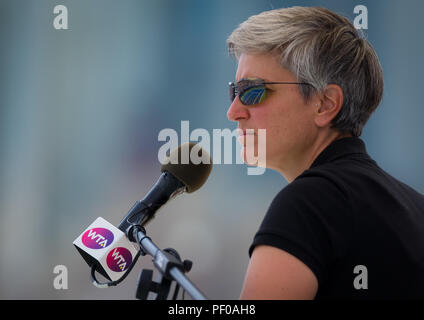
(232, 91)
(253, 95)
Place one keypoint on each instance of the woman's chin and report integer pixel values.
(249, 157)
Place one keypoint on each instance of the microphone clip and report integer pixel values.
(168, 259)
(164, 261)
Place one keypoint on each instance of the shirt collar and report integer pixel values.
(340, 148)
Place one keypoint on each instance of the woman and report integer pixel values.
(342, 227)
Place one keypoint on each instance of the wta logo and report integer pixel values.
(97, 238)
(119, 259)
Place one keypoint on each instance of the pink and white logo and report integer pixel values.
(97, 238)
(119, 259)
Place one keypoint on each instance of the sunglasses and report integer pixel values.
(252, 91)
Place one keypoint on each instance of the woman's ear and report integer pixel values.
(329, 105)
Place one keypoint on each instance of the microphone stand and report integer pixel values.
(167, 262)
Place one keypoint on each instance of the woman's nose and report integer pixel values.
(237, 111)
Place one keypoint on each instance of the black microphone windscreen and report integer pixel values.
(192, 170)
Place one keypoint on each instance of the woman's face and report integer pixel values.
(285, 115)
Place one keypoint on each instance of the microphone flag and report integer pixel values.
(108, 246)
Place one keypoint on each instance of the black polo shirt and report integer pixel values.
(358, 229)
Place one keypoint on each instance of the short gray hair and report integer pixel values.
(320, 47)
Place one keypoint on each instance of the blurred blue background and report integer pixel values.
(80, 114)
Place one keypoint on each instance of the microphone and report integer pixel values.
(176, 178)
(110, 247)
